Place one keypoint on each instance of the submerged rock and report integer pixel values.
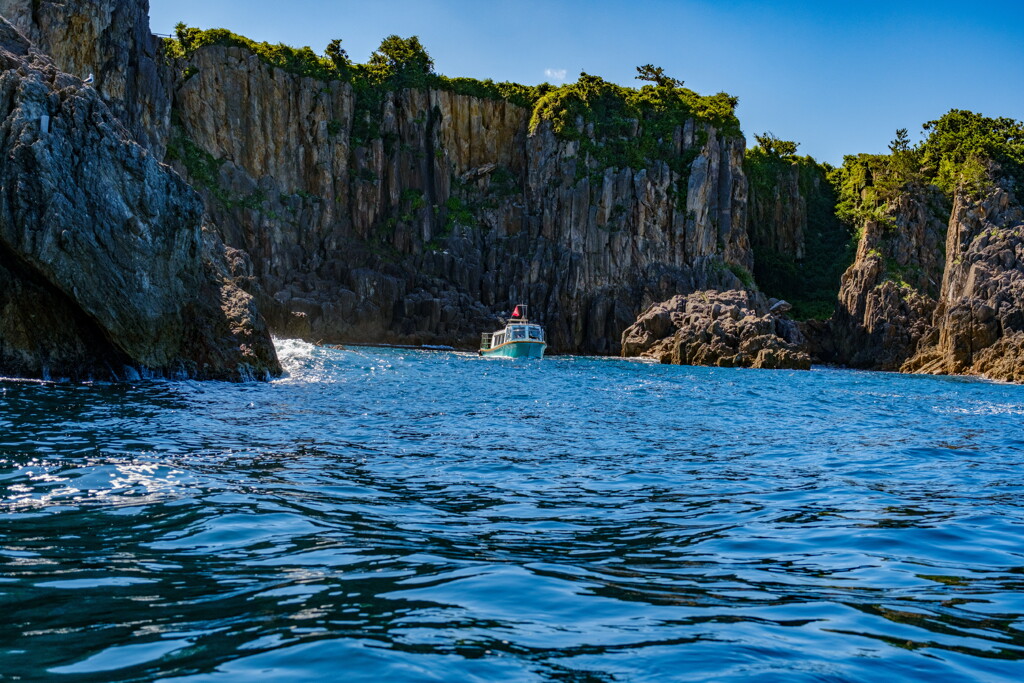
(724, 329)
(108, 266)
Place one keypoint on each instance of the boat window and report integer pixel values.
(518, 333)
(534, 332)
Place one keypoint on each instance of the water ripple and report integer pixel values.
(435, 516)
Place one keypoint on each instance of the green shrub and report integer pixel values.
(743, 274)
(959, 144)
(631, 127)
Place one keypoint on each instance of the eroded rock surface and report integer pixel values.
(978, 326)
(725, 329)
(430, 226)
(888, 295)
(106, 266)
(110, 39)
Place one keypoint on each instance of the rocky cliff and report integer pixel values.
(369, 213)
(111, 40)
(978, 325)
(888, 295)
(448, 211)
(107, 267)
(778, 208)
(800, 247)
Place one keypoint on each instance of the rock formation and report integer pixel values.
(778, 209)
(724, 329)
(107, 266)
(800, 246)
(978, 326)
(111, 40)
(888, 295)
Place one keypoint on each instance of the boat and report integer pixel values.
(519, 339)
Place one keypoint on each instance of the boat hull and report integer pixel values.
(516, 349)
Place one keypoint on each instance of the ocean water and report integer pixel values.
(396, 515)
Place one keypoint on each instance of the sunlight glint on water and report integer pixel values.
(387, 514)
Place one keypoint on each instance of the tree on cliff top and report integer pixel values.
(656, 75)
(338, 56)
(774, 146)
(402, 61)
(960, 144)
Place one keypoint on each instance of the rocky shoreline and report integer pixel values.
(419, 218)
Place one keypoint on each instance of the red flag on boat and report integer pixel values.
(515, 313)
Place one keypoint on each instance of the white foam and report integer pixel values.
(293, 352)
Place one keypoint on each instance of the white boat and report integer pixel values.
(519, 339)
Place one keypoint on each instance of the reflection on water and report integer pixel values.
(384, 514)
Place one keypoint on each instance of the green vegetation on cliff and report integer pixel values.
(959, 151)
(913, 184)
(633, 126)
(628, 127)
(960, 143)
(810, 283)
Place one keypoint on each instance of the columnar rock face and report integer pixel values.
(422, 220)
(110, 39)
(106, 266)
(979, 320)
(724, 329)
(778, 214)
(888, 295)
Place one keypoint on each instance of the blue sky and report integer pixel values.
(837, 77)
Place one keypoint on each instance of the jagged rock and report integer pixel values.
(110, 39)
(980, 314)
(887, 296)
(106, 267)
(352, 218)
(724, 329)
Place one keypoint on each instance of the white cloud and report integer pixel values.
(555, 74)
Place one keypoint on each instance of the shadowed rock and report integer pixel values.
(889, 294)
(107, 267)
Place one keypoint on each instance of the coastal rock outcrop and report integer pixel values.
(888, 296)
(723, 329)
(111, 40)
(778, 209)
(978, 326)
(108, 267)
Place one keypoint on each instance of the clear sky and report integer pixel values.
(837, 77)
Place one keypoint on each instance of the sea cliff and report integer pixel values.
(382, 203)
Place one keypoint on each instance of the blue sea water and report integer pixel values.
(397, 515)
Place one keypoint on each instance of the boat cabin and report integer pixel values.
(513, 332)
